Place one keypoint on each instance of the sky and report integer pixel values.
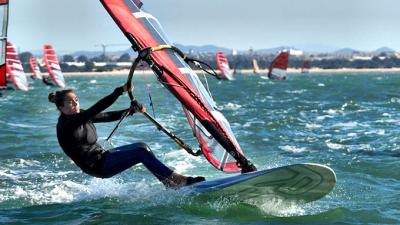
(72, 25)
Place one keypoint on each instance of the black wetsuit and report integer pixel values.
(46, 81)
(77, 137)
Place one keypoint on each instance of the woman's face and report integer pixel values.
(71, 104)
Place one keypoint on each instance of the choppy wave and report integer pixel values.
(335, 120)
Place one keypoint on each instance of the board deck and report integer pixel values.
(299, 182)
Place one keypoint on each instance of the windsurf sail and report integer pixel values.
(35, 68)
(209, 126)
(3, 41)
(15, 69)
(278, 67)
(53, 66)
(256, 69)
(306, 67)
(223, 65)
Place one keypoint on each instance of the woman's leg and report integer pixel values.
(121, 158)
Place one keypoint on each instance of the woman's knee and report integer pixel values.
(144, 147)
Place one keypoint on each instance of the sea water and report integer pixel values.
(349, 122)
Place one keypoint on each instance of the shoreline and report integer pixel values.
(244, 71)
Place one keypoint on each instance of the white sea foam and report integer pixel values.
(313, 125)
(281, 208)
(21, 125)
(331, 111)
(296, 91)
(320, 118)
(251, 123)
(334, 146)
(21, 163)
(395, 100)
(346, 125)
(64, 191)
(231, 106)
(379, 132)
(92, 81)
(7, 174)
(180, 160)
(352, 135)
(293, 149)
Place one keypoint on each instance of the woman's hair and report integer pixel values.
(59, 97)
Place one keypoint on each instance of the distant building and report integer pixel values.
(234, 52)
(359, 57)
(295, 52)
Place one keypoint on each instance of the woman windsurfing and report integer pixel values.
(77, 137)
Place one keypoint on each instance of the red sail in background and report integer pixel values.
(223, 65)
(208, 124)
(278, 67)
(15, 69)
(306, 67)
(53, 66)
(35, 68)
(3, 42)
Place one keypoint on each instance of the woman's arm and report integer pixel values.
(108, 116)
(85, 115)
(116, 115)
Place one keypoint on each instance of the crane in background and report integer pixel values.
(104, 46)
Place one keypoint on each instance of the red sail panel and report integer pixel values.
(53, 66)
(3, 80)
(15, 69)
(3, 42)
(306, 67)
(223, 65)
(278, 67)
(35, 68)
(209, 125)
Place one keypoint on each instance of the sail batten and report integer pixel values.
(209, 126)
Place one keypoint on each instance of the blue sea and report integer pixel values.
(347, 121)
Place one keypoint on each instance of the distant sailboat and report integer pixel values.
(256, 69)
(3, 42)
(14, 68)
(35, 68)
(53, 66)
(223, 66)
(278, 67)
(306, 67)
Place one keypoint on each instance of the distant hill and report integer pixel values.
(202, 48)
(214, 48)
(383, 49)
(345, 51)
(317, 48)
(272, 50)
